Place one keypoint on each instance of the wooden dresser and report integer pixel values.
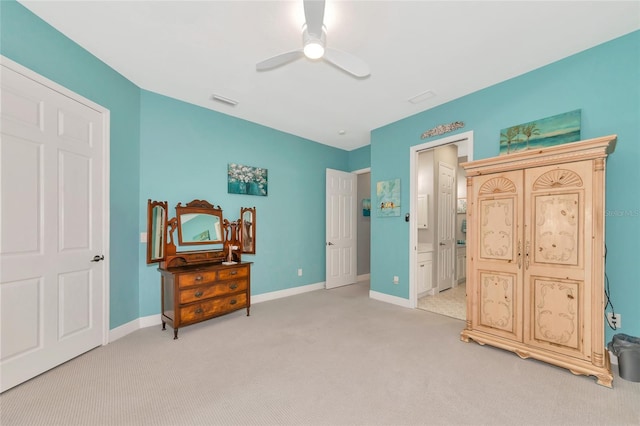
(535, 255)
(195, 293)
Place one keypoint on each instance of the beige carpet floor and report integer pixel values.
(328, 357)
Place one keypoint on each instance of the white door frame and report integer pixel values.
(413, 205)
(105, 168)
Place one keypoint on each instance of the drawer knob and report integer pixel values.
(198, 294)
(234, 272)
(199, 278)
(233, 286)
(199, 311)
(233, 301)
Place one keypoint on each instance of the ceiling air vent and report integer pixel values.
(224, 100)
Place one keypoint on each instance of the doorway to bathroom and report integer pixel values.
(438, 225)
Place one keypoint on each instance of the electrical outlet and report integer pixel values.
(614, 321)
(143, 237)
(396, 280)
(299, 272)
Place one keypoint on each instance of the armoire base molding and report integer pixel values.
(577, 366)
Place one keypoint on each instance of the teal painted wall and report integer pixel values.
(605, 83)
(185, 151)
(29, 41)
(360, 158)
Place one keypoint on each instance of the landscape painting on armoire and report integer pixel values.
(546, 132)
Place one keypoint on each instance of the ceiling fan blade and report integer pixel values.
(314, 16)
(279, 60)
(347, 62)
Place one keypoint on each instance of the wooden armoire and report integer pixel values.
(535, 254)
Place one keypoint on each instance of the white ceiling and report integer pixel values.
(189, 50)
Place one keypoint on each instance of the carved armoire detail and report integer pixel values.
(535, 255)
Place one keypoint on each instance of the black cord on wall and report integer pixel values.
(606, 291)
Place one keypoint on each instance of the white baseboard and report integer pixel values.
(153, 320)
(131, 326)
(395, 300)
(123, 330)
(286, 292)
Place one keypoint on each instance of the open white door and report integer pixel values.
(445, 229)
(341, 240)
(53, 233)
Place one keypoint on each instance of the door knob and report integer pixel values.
(97, 258)
(442, 244)
(330, 243)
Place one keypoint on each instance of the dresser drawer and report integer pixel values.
(212, 307)
(238, 272)
(217, 289)
(196, 278)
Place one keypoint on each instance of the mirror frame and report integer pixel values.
(151, 231)
(252, 232)
(202, 207)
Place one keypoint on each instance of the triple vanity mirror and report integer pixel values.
(199, 223)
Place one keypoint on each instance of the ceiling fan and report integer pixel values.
(314, 37)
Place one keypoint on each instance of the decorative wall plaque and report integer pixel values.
(441, 129)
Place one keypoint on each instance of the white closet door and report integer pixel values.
(51, 179)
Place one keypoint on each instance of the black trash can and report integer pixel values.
(627, 349)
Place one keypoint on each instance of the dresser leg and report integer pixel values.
(164, 325)
(248, 307)
(175, 334)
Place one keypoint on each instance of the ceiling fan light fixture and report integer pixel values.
(313, 50)
(313, 44)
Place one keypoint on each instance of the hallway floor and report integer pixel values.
(451, 302)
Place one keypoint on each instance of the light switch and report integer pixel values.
(143, 237)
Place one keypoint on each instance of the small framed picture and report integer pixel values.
(462, 205)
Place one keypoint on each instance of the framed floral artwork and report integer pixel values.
(246, 180)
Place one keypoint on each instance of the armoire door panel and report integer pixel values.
(558, 219)
(499, 304)
(497, 229)
(556, 237)
(499, 212)
(557, 321)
